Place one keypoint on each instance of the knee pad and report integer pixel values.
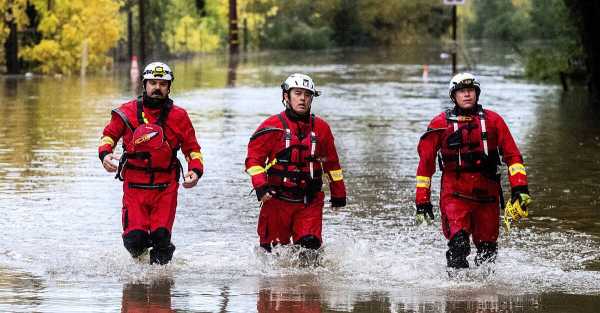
(309, 242)
(459, 248)
(486, 252)
(162, 248)
(136, 242)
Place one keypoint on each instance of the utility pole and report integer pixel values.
(454, 4)
(454, 43)
(233, 29)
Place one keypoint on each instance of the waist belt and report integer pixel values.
(148, 186)
(480, 199)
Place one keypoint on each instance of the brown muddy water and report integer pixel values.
(61, 249)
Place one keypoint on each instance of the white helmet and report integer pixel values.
(159, 71)
(461, 81)
(302, 81)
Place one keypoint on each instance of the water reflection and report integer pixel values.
(19, 291)
(141, 297)
(301, 295)
(232, 70)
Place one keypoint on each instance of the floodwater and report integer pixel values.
(61, 249)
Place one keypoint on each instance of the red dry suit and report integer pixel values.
(469, 147)
(288, 157)
(149, 166)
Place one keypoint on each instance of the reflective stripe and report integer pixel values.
(106, 140)
(255, 170)
(516, 168)
(423, 182)
(455, 126)
(196, 155)
(336, 175)
(271, 164)
(144, 117)
(483, 132)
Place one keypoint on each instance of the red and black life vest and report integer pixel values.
(148, 155)
(467, 147)
(296, 174)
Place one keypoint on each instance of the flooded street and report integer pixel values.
(61, 247)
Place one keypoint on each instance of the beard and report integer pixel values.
(153, 101)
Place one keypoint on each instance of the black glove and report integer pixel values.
(338, 202)
(424, 211)
(521, 194)
(261, 191)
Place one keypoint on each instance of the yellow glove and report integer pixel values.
(516, 208)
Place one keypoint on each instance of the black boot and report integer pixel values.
(459, 248)
(486, 252)
(162, 248)
(309, 251)
(136, 242)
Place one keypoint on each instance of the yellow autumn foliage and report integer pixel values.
(67, 28)
(12, 11)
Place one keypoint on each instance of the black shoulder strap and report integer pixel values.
(263, 131)
(140, 110)
(122, 115)
(283, 122)
(450, 114)
(312, 120)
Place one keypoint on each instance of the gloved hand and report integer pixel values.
(424, 213)
(264, 190)
(521, 194)
(516, 207)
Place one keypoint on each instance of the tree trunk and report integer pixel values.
(11, 49)
(142, 33)
(129, 33)
(587, 16)
(233, 28)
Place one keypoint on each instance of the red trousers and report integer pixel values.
(279, 220)
(149, 209)
(479, 218)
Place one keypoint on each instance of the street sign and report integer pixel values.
(454, 2)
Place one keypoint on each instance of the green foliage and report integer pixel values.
(518, 22)
(188, 29)
(323, 23)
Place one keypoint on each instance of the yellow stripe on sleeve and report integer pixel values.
(423, 182)
(106, 140)
(336, 175)
(196, 155)
(255, 170)
(516, 168)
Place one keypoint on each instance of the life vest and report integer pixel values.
(461, 153)
(148, 161)
(295, 174)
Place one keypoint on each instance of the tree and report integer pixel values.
(70, 29)
(14, 19)
(587, 16)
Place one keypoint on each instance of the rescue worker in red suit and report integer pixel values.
(153, 129)
(469, 143)
(287, 157)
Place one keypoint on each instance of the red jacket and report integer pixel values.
(464, 152)
(178, 130)
(268, 160)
